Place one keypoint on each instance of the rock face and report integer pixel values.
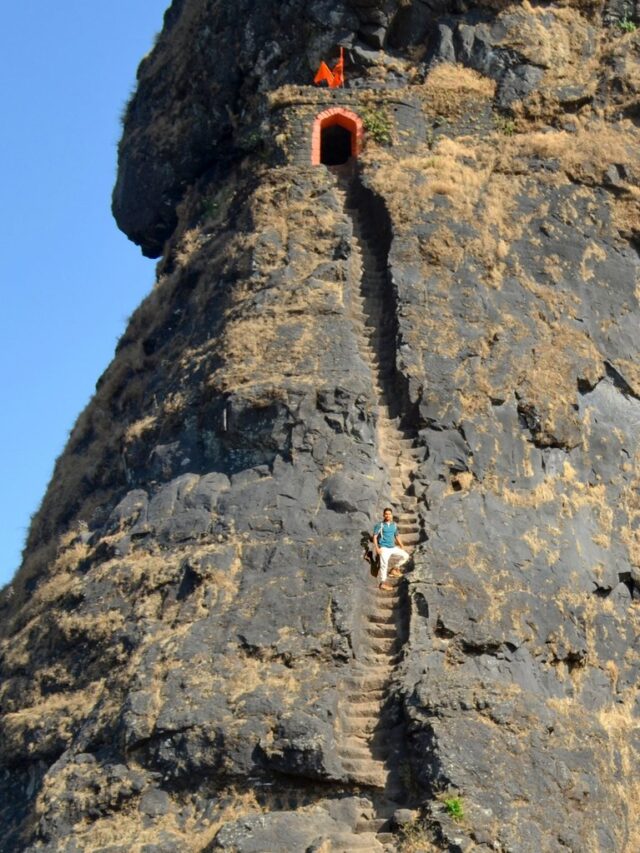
(194, 655)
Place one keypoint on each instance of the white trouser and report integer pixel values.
(395, 554)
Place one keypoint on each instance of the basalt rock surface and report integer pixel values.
(193, 614)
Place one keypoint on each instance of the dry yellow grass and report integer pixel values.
(458, 169)
(585, 154)
(452, 91)
(189, 244)
(139, 427)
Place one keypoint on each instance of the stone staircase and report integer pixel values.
(369, 729)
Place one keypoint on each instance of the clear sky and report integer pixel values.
(68, 278)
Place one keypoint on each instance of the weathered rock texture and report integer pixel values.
(189, 651)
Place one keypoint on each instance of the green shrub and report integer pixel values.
(505, 125)
(627, 25)
(377, 124)
(453, 805)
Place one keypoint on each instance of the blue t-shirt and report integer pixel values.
(387, 532)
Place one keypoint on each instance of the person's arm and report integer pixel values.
(398, 540)
(376, 547)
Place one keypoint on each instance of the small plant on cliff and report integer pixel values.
(415, 837)
(627, 25)
(377, 124)
(453, 805)
(507, 126)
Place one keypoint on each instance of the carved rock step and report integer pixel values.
(389, 423)
(366, 679)
(369, 299)
(380, 357)
(382, 672)
(383, 347)
(370, 322)
(369, 296)
(361, 752)
(347, 842)
(388, 840)
(366, 772)
(380, 660)
(370, 248)
(387, 631)
(370, 766)
(366, 697)
(377, 645)
(375, 598)
(383, 602)
(358, 314)
(378, 600)
(384, 646)
(360, 710)
(363, 755)
(402, 460)
(387, 374)
(405, 502)
(398, 473)
(393, 442)
(406, 437)
(402, 444)
(381, 363)
(384, 596)
(391, 460)
(373, 824)
(362, 723)
(367, 351)
(374, 263)
(383, 342)
(381, 618)
(373, 308)
(379, 653)
(383, 411)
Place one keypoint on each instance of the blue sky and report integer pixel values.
(68, 278)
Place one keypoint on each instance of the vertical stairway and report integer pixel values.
(370, 731)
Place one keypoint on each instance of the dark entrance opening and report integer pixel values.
(335, 145)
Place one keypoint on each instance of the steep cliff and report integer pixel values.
(194, 655)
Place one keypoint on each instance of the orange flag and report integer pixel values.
(333, 77)
(338, 71)
(324, 74)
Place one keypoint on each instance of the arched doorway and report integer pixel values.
(337, 135)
